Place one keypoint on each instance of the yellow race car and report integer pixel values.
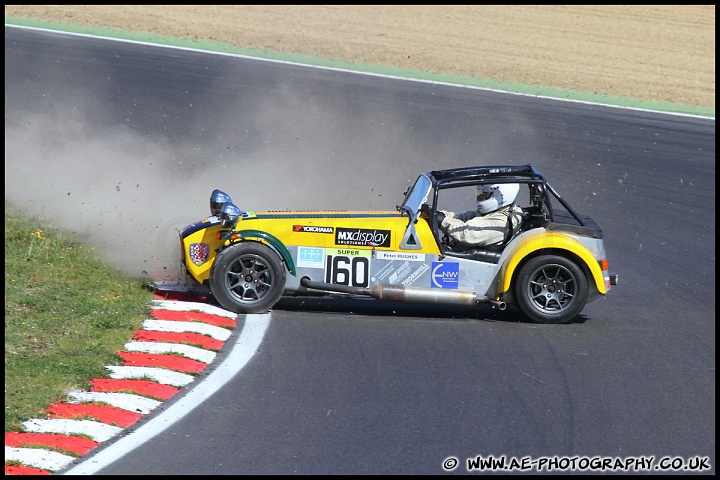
(550, 265)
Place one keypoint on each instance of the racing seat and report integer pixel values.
(487, 254)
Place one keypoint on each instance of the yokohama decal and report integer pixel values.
(312, 229)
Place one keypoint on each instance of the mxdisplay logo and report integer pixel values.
(359, 236)
(312, 229)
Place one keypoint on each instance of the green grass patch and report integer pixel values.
(67, 314)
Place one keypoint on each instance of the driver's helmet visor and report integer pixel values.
(484, 193)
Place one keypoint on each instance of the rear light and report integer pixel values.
(610, 278)
(603, 264)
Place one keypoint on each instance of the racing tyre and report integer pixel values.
(551, 289)
(247, 278)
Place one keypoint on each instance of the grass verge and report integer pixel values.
(67, 314)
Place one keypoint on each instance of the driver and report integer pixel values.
(494, 222)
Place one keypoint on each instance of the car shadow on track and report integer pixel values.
(373, 307)
(357, 305)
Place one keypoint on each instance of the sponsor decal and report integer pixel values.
(311, 257)
(348, 266)
(360, 236)
(312, 229)
(414, 276)
(400, 273)
(199, 253)
(413, 257)
(445, 275)
(199, 225)
(384, 271)
(349, 252)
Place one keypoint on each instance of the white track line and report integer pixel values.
(370, 74)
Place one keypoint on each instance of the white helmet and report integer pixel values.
(491, 197)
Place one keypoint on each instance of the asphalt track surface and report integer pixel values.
(345, 386)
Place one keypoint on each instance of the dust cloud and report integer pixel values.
(100, 191)
(129, 193)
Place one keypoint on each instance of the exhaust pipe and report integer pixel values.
(397, 293)
(495, 303)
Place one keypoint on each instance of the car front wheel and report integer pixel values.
(247, 278)
(551, 289)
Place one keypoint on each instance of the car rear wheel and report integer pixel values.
(551, 289)
(247, 278)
